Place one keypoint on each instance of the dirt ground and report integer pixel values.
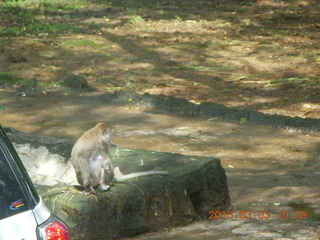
(260, 55)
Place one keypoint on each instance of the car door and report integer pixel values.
(17, 220)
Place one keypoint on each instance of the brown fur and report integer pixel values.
(92, 162)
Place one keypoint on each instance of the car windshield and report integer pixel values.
(12, 199)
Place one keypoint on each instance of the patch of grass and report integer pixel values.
(177, 18)
(20, 3)
(12, 31)
(10, 80)
(85, 43)
(51, 28)
(111, 29)
(15, 16)
(131, 11)
(131, 3)
(48, 5)
(73, 5)
(51, 8)
(283, 32)
(136, 19)
(161, 11)
(215, 44)
(38, 28)
(224, 25)
(17, 19)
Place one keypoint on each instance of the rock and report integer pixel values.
(195, 185)
(248, 228)
(76, 81)
(45, 168)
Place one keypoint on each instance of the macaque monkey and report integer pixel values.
(92, 162)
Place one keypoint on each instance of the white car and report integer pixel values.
(23, 215)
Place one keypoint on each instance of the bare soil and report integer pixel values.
(260, 55)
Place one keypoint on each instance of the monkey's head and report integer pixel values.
(105, 132)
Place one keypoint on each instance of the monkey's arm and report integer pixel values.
(138, 174)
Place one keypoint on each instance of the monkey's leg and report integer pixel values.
(85, 184)
(103, 184)
(83, 176)
(88, 191)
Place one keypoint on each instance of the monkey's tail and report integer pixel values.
(138, 174)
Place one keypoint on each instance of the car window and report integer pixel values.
(12, 200)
